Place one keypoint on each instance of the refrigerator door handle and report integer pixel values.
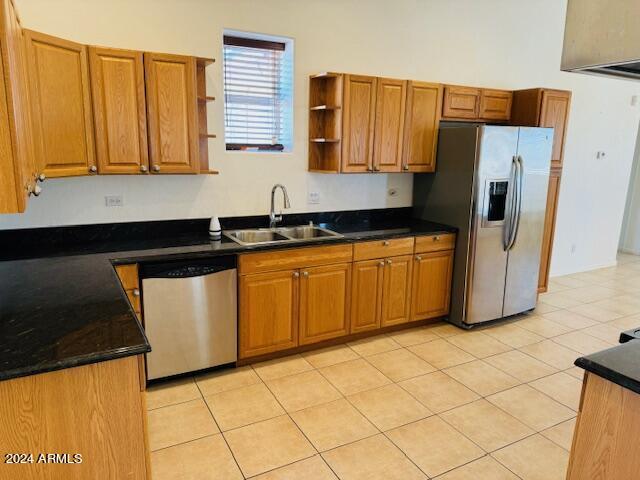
(508, 224)
(518, 203)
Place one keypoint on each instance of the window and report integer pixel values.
(258, 88)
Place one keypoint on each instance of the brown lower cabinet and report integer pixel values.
(268, 312)
(431, 284)
(297, 297)
(324, 302)
(97, 411)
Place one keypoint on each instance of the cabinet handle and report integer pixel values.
(381, 264)
(305, 274)
(136, 292)
(93, 169)
(369, 168)
(376, 169)
(156, 168)
(143, 168)
(418, 258)
(389, 262)
(296, 274)
(37, 190)
(385, 243)
(405, 167)
(436, 238)
(40, 177)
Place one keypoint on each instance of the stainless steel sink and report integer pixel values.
(261, 236)
(253, 237)
(307, 232)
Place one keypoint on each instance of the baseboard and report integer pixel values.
(583, 270)
(630, 251)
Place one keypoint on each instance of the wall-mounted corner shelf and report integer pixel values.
(203, 100)
(325, 107)
(204, 61)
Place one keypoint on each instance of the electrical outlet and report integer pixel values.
(113, 201)
(314, 198)
(573, 248)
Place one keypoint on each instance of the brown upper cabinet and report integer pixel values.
(389, 125)
(542, 107)
(60, 98)
(359, 116)
(461, 102)
(172, 113)
(495, 104)
(360, 124)
(422, 120)
(117, 83)
(17, 167)
(470, 103)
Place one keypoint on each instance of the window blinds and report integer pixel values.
(257, 92)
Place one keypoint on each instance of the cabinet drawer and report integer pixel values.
(435, 243)
(382, 248)
(294, 258)
(128, 276)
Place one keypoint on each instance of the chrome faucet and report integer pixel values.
(273, 218)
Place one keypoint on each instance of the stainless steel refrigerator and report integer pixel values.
(491, 183)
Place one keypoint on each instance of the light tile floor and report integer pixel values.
(430, 402)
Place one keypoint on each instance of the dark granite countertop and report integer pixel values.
(620, 364)
(62, 305)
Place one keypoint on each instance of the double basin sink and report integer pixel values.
(261, 236)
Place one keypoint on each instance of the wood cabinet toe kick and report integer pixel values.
(301, 298)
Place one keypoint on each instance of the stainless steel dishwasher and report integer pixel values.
(190, 314)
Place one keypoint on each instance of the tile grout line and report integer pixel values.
(221, 432)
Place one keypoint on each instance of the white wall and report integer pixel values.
(497, 43)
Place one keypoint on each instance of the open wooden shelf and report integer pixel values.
(204, 61)
(326, 75)
(325, 122)
(203, 99)
(325, 107)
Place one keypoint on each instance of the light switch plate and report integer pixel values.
(113, 201)
(314, 198)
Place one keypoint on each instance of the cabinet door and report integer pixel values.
(554, 112)
(389, 126)
(549, 229)
(422, 119)
(461, 102)
(324, 302)
(495, 104)
(172, 113)
(117, 83)
(60, 99)
(268, 312)
(358, 120)
(396, 294)
(366, 295)
(17, 164)
(431, 292)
